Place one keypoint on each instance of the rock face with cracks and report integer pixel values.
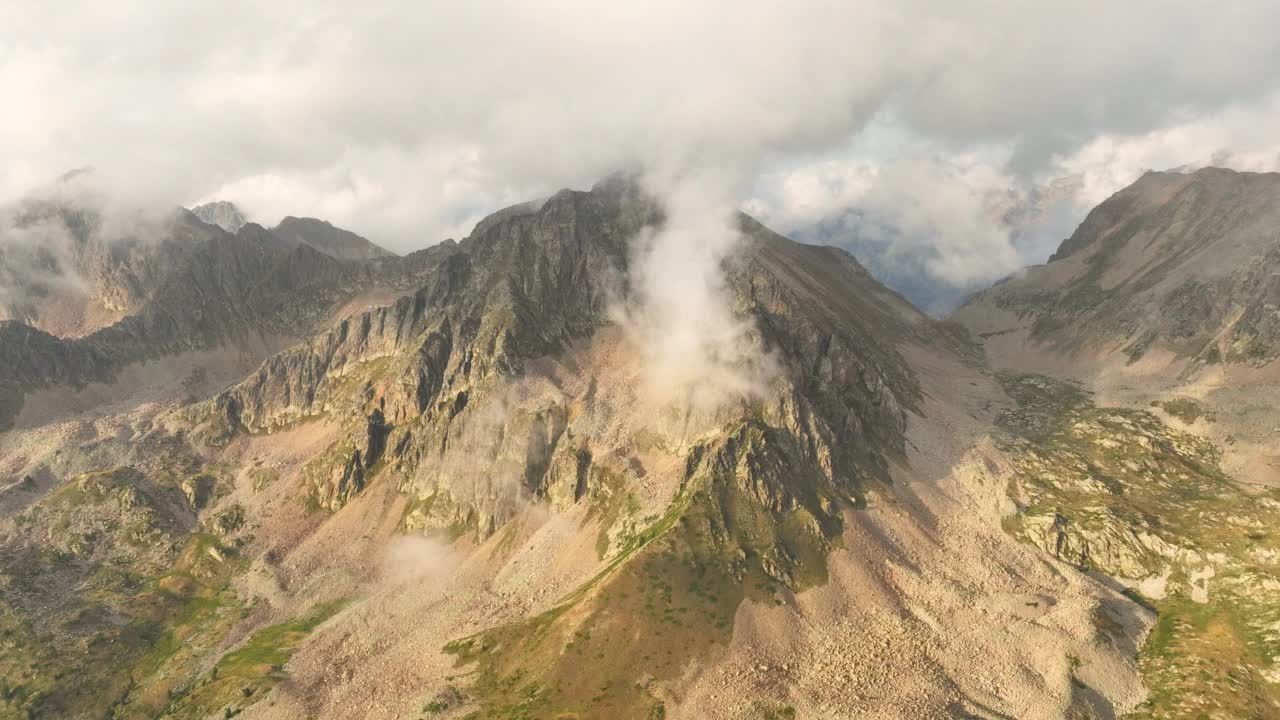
(437, 367)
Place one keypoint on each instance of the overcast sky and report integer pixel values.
(406, 121)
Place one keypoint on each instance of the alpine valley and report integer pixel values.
(285, 473)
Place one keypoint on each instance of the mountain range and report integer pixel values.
(285, 473)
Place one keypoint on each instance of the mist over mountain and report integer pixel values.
(927, 231)
(221, 213)
(507, 454)
(649, 360)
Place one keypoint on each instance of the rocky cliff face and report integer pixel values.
(429, 369)
(188, 286)
(1182, 262)
(222, 213)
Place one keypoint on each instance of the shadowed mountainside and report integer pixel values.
(1186, 263)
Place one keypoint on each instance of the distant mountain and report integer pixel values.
(69, 271)
(222, 213)
(1031, 220)
(333, 241)
(1186, 263)
(319, 234)
(91, 298)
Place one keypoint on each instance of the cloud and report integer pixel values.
(1240, 137)
(923, 134)
(698, 355)
(406, 120)
(937, 223)
(65, 238)
(931, 224)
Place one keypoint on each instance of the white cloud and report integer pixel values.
(913, 207)
(1242, 137)
(407, 119)
(921, 132)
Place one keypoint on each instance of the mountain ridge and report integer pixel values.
(1149, 268)
(333, 241)
(468, 494)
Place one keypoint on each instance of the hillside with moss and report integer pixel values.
(500, 386)
(1117, 492)
(471, 499)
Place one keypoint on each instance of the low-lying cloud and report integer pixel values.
(698, 354)
(64, 235)
(943, 123)
(938, 224)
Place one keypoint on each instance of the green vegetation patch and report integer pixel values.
(1118, 491)
(752, 521)
(610, 503)
(1186, 410)
(111, 600)
(244, 675)
(119, 644)
(1207, 660)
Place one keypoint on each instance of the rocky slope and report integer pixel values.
(222, 213)
(1118, 491)
(330, 240)
(1150, 457)
(1162, 298)
(469, 500)
(1178, 263)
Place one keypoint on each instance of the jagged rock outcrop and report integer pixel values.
(520, 289)
(528, 284)
(222, 213)
(1093, 484)
(199, 491)
(347, 481)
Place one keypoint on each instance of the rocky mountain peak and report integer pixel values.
(1181, 261)
(222, 213)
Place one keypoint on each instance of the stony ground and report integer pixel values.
(1118, 492)
(932, 610)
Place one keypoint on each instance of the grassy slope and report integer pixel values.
(1119, 492)
(666, 600)
(133, 636)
